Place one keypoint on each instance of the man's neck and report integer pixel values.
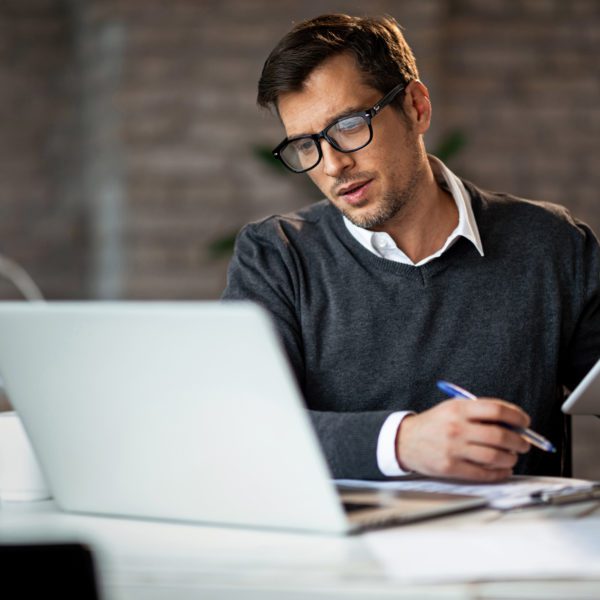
(423, 227)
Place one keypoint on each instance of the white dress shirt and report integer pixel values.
(382, 245)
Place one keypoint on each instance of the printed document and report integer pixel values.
(517, 491)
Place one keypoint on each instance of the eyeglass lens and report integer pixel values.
(347, 134)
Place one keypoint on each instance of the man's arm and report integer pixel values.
(265, 271)
(460, 438)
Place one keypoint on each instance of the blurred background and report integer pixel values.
(131, 149)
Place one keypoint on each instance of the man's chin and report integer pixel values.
(362, 217)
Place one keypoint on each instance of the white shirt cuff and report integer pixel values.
(386, 445)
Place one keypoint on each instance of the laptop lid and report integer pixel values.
(183, 411)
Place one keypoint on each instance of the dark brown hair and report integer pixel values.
(380, 50)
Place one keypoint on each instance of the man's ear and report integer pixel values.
(417, 106)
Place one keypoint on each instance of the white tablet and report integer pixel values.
(585, 398)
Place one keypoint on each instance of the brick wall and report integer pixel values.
(523, 82)
(129, 129)
(41, 219)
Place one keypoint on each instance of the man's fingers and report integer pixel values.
(495, 410)
(491, 458)
(495, 436)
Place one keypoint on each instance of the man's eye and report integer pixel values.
(304, 146)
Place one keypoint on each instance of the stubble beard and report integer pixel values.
(391, 207)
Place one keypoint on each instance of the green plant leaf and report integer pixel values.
(265, 155)
(223, 246)
(450, 145)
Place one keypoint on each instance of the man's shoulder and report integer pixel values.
(302, 220)
(312, 213)
(495, 209)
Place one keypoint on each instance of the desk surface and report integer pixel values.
(154, 560)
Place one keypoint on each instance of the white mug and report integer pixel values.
(20, 476)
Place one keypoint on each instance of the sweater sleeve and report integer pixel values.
(264, 270)
(582, 349)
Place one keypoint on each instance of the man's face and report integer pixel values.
(373, 186)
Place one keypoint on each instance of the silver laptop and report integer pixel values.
(185, 411)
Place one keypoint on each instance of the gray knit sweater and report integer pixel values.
(367, 336)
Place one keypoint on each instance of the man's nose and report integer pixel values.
(334, 161)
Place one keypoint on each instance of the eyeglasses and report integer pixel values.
(347, 134)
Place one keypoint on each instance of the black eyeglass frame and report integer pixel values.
(368, 115)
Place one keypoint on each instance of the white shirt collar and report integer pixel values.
(381, 243)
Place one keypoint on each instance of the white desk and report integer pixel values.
(153, 560)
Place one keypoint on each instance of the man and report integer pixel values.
(405, 274)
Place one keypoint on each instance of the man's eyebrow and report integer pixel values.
(352, 110)
(349, 111)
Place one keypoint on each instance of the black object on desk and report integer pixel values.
(48, 571)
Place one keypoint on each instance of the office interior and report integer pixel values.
(132, 150)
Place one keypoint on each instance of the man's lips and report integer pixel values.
(351, 187)
(355, 191)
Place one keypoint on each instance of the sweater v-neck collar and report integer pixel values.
(461, 248)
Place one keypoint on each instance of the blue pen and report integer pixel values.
(531, 436)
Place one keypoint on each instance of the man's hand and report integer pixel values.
(463, 439)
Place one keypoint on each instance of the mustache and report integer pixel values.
(342, 181)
